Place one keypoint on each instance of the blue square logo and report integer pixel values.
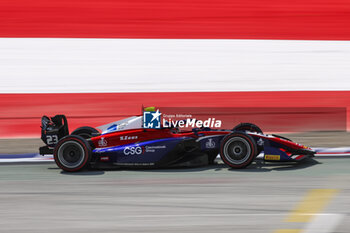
(151, 120)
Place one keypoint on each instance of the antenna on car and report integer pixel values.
(142, 109)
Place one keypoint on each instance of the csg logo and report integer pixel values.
(133, 150)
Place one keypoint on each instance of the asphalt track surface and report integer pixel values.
(41, 198)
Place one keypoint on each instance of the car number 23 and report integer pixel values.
(51, 139)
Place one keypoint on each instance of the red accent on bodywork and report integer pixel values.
(104, 158)
(113, 139)
(290, 144)
(285, 151)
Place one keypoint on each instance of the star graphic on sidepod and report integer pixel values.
(155, 115)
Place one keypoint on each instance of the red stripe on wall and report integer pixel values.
(216, 19)
(20, 113)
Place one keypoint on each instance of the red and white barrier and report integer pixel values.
(116, 65)
(172, 54)
(180, 19)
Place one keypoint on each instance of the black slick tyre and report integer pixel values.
(238, 150)
(247, 127)
(72, 153)
(85, 132)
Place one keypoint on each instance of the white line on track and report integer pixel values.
(333, 155)
(324, 223)
(47, 158)
(208, 215)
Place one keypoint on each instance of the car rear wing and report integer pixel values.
(53, 129)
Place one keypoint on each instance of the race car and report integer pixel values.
(127, 144)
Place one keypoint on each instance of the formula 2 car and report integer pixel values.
(126, 144)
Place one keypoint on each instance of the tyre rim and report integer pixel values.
(71, 154)
(237, 150)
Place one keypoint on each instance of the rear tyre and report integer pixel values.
(85, 132)
(247, 127)
(238, 150)
(72, 153)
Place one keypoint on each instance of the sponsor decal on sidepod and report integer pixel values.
(102, 142)
(133, 150)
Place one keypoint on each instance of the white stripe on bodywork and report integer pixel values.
(206, 137)
(134, 122)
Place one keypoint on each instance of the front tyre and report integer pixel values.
(238, 150)
(72, 153)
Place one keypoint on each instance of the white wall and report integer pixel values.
(139, 65)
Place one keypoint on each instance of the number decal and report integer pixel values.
(51, 139)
